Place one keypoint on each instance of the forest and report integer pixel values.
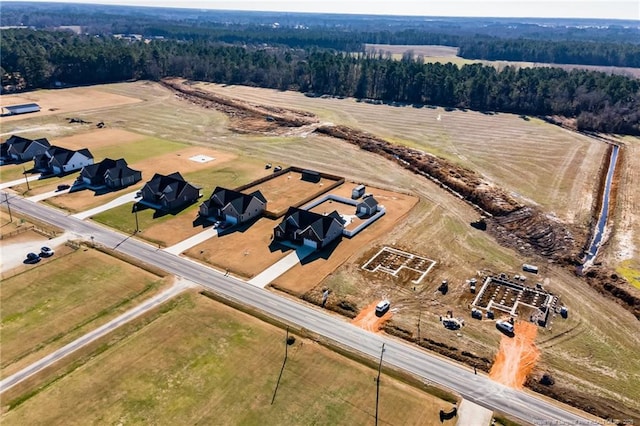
(599, 102)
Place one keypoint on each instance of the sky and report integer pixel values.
(602, 9)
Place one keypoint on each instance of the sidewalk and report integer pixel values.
(40, 197)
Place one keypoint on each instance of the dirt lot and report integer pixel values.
(287, 190)
(205, 358)
(65, 101)
(516, 357)
(318, 266)
(58, 300)
(368, 319)
(245, 251)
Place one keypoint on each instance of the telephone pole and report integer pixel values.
(6, 199)
(378, 383)
(26, 179)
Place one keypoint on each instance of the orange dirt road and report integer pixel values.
(516, 357)
(368, 320)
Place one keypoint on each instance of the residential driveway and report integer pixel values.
(192, 241)
(280, 267)
(49, 194)
(11, 183)
(13, 254)
(123, 199)
(472, 414)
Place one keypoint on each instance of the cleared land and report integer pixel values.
(214, 365)
(444, 54)
(62, 102)
(58, 300)
(288, 189)
(523, 155)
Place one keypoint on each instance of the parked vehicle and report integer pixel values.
(32, 258)
(63, 186)
(277, 169)
(382, 307)
(505, 327)
(267, 166)
(46, 252)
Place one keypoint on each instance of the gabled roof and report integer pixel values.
(222, 197)
(169, 187)
(98, 169)
(304, 219)
(369, 201)
(19, 145)
(59, 154)
(120, 170)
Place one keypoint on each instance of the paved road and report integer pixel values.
(66, 350)
(476, 388)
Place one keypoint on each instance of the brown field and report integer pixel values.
(65, 101)
(244, 252)
(521, 155)
(316, 268)
(623, 251)
(58, 300)
(287, 190)
(437, 53)
(214, 365)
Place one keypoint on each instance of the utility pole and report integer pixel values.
(135, 212)
(284, 362)
(6, 198)
(419, 317)
(378, 383)
(24, 172)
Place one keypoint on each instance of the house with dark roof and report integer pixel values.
(232, 206)
(57, 160)
(308, 228)
(367, 206)
(109, 173)
(20, 149)
(168, 192)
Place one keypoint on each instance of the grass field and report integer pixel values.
(214, 365)
(538, 162)
(57, 301)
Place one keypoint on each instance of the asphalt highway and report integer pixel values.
(433, 369)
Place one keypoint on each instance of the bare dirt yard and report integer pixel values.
(516, 357)
(368, 320)
(244, 251)
(205, 362)
(65, 101)
(57, 301)
(288, 189)
(315, 268)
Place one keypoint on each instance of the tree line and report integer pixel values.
(599, 101)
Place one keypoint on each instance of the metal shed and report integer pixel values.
(20, 109)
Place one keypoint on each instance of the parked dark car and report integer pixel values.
(46, 252)
(32, 258)
(63, 187)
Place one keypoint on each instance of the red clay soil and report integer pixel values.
(368, 319)
(517, 356)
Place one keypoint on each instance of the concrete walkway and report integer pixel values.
(472, 414)
(280, 267)
(44, 196)
(11, 183)
(123, 199)
(192, 241)
(179, 286)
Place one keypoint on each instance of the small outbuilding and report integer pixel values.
(20, 109)
(367, 207)
(358, 192)
(310, 176)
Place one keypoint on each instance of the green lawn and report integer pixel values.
(138, 150)
(53, 301)
(204, 363)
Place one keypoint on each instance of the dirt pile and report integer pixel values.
(516, 225)
(516, 357)
(368, 320)
(616, 288)
(245, 117)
